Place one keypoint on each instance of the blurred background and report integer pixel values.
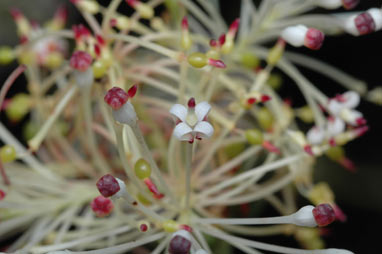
(358, 194)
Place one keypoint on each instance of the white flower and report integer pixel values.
(191, 122)
(335, 126)
(315, 135)
(343, 106)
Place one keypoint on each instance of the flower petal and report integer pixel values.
(335, 126)
(203, 129)
(183, 132)
(179, 111)
(202, 109)
(335, 107)
(315, 136)
(352, 99)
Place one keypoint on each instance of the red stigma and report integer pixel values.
(191, 102)
(16, 13)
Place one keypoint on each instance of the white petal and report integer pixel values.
(350, 116)
(352, 99)
(126, 114)
(179, 111)
(183, 233)
(295, 35)
(350, 26)
(335, 126)
(201, 251)
(376, 14)
(202, 109)
(182, 131)
(315, 136)
(329, 4)
(335, 107)
(204, 129)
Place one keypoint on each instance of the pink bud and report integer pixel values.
(2, 194)
(185, 227)
(80, 31)
(265, 98)
(361, 131)
(16, 13)
(102, 206)
(185, 23)
(216, 63)
(271, 147)
(364, 23)
(360, 121)
(347, 164)
(314, 39)
(132, 3)
(350, 4)
(153, 188)
(116, 98)
(108, 185)
(251, 101)
(213, 43)
(221, 39)
(132, 91)
(324, 215)
(61, 14)
(233, 27)
(80, 60)
(308, 150)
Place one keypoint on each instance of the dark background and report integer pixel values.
(358, 194)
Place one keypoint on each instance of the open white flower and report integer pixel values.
(191, 122)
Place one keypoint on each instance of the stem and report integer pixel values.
(9, 82)
(36, 141)
(189, 155)
(148, 156)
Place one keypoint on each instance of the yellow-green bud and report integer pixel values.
(335, 153)
(146, 11)
(276, 53)
(18, 107)
(265, 118)
(7, 154)
(99, 69)
(29, 130)
(142, 169)
(170, 226)
(250, 60)
(143, 200)
(6, 55)
(53, 60)
(213, 53)
(275, 81)
(197, 60)
(254, 136)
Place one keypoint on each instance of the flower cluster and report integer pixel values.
(143, 135)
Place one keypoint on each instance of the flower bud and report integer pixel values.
(102, 206)
(364, 23)
(300, 35)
